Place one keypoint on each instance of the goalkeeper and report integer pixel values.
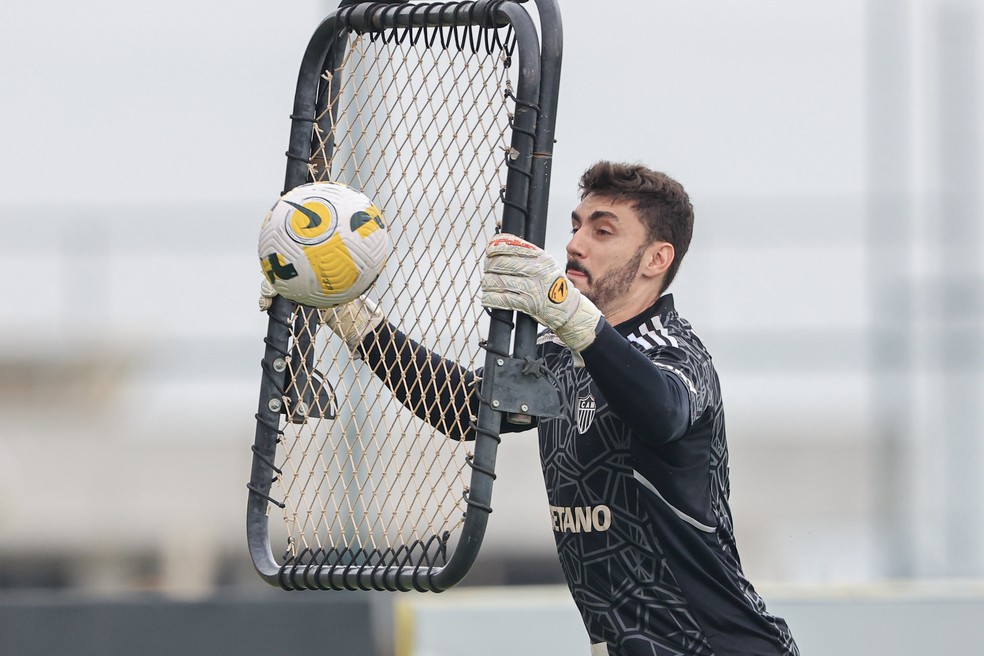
(636, 470)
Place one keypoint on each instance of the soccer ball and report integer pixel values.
(323, 244)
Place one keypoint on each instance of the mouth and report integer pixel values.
(576, 271)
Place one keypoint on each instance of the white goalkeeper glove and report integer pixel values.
(521, 276)
(267, 294)
(351, 321)
(354, 320)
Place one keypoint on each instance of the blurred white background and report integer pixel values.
(833, 152)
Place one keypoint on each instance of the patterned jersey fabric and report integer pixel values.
(639, 501)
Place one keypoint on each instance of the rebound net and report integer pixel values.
(416, 106)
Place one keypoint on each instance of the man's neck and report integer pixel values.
(630, 305)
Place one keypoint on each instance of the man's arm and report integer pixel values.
(437, 390)
(520, 276)
(654, 402)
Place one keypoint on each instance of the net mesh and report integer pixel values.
(419, 121)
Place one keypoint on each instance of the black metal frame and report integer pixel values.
(511, 384)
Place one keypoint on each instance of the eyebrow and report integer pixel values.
(597, 214)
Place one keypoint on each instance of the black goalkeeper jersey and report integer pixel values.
(636, 473)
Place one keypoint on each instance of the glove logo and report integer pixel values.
(558, 290)
(509, 240)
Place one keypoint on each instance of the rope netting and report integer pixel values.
(419, 121)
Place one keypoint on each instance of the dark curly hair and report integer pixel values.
(661, 202)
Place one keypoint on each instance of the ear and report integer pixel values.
(657, 258)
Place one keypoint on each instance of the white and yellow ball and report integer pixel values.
(323, 244)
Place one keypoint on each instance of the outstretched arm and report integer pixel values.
(437, 390)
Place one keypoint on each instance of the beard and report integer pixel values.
(613, 284)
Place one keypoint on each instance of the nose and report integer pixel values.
(574, 245)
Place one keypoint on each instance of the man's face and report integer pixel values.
(608, 240)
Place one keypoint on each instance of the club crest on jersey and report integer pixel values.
(585, 413)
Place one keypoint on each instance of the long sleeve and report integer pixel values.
(651, 399)
(436, 390)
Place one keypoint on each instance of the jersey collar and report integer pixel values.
(640, 324)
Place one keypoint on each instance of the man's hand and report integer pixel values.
(522, 277)
(351, 321)
(267, 294)
(354, 320)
